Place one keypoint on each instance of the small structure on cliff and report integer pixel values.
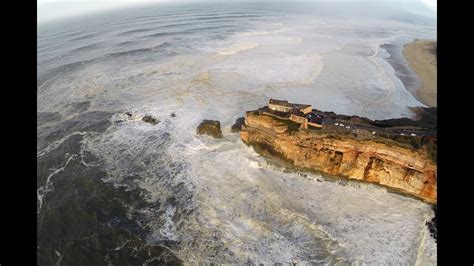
(298, 113)
(286, 107)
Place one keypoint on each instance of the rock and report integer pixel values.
(238, 125)
(149, 119)
(173, 115)
(433, 225)
(128, 114)
(210, 127)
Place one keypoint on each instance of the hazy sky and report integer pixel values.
(49, 10)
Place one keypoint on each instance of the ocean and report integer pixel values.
(113, 189)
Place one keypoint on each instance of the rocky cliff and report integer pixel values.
(371, 159)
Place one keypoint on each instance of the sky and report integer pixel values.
(50, 10)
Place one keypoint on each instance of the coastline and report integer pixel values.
(421, 56)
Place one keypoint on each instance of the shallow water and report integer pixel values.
(401, 66)
(103, 175)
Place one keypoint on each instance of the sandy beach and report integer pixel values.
(421, 55)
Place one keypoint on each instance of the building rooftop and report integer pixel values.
(286, 103)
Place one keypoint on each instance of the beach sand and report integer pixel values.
(422, 57)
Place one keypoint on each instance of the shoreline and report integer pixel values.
(422, 58)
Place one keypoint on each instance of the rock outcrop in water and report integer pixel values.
(371, 159)
(433, 224)
(210, 127)
(151, 120)
(239, 122)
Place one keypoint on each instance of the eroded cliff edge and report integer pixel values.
(368, 158)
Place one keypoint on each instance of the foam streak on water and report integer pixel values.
(212, 200)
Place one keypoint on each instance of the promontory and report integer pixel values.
(399, 154)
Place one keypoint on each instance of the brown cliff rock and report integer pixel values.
(400, 167)
(210, 127)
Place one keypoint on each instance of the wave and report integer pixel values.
(237, 48)
(154, 28)
(88, 47)
(132, 31)
(46, 47)
(139, 50)
(146, 20)
(49, 186)
(207, 19)
(221, 17)
(175, 14)
(47, 117)
(130, 52)
(208, 28)
(61, 70)
(263, 32)
(187, 31)
(159, 34)
(196, 15)
(87, 36)
(126, 43)
(54, 145)
(61, 34)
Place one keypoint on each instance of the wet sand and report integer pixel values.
(402, 68)
(421, 55)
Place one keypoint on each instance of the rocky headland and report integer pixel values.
(399, 154)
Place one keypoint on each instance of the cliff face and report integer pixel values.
(404, 169)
